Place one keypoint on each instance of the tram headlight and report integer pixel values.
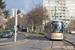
(60, 33)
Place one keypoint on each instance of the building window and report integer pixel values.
(48, 1)
(47, 7)
(51, 7)
(67, 10)
(67, 20)
(60, 16)
(72, 7)
(60, 4)
(56, 13)
(63, 14)
(46, 4)
(72, 4)
(52, 2)
(60, 7)
(67, 14)
(68, 1)
(64, 4)
(63, 1)
(64, 7)
(56, 16)
(60, 1)
(63, 10)
(56, 1)
(51, 16)
(60, 10)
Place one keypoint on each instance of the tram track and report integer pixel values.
(65, 45)
(61, 45)
(68, 45)
(52, 45)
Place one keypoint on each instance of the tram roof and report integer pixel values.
(55, 20)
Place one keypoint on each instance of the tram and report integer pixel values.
(54, 30)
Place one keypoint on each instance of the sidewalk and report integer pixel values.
(19, 38)
(70, 37)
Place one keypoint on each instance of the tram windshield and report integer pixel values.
(57, 26)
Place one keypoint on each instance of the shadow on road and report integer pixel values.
(38, 38)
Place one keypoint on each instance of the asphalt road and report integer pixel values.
(36, 42)
(11, 39)
(70, 37)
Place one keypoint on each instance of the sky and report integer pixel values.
(23, 5)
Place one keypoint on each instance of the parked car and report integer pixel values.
(24, 30)
(11, 30)
(6, 34)
(71, 31)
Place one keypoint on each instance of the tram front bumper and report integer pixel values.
(57, 37)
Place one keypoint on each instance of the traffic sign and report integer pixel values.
(3, 26)
(65, 23)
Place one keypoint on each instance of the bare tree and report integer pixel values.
(37, 15)
(71, 24)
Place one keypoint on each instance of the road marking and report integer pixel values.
(52, 45)
(34, 43)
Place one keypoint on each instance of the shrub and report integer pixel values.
(1, 29)
(64, 36)
(42, 33)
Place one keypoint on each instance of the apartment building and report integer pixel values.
(60, 9)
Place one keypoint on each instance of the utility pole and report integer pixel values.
(45, 17)
(55, 13)
(32, 24)
(38, 25)
(71, 21)
(15, 26)
(16, 21)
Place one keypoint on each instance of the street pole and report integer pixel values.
(45, 17)
(71, 21)
(38, 25)
(13, 15)
(32, 24)
(32, 28)
(55, 13)
(15, 26)
(13, 12)
(52, 14)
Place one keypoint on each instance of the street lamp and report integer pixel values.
(13, 12)
(17, 12)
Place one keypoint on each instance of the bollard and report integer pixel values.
(27, 30)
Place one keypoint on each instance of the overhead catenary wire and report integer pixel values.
(34, 3)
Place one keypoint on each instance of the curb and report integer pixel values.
(3, 39)
(9, 43)
(70, 42)
(25, 35)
